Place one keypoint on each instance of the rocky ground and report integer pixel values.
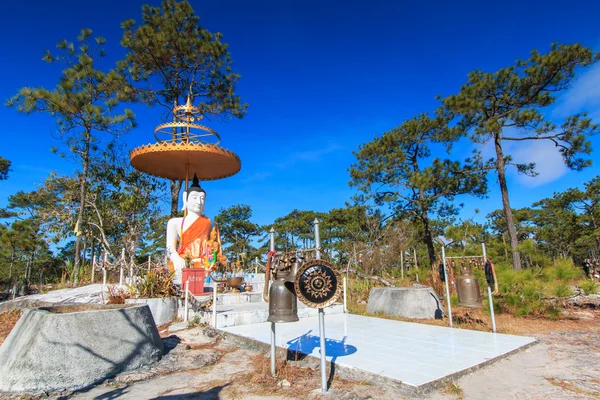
(202, 363)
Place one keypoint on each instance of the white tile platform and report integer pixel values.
(415, 354)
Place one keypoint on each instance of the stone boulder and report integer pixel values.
(71, 347)
(415, 302)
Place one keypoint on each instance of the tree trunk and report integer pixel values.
(428, 239)
(512, 232)
(175, 189)
(82, 193)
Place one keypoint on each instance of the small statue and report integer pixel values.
(213, 252)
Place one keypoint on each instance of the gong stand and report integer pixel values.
(489, 289)
(321, 316)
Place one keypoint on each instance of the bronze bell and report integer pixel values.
(467, 287)
(283, 303)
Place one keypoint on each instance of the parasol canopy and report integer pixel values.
(177, 160)
(184, 148)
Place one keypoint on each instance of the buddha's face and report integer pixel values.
(213, 235)
(195, 202)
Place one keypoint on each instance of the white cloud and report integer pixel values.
(309, 155)
(584, 95)
(258, 176)
(548, 162)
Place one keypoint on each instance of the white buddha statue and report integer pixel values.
(187, 236)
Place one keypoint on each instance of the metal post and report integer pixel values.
(121, 264)
(321, 317)
(185, 308)
(402, 263)
(93, 268)
(273, 344)
(489, 290)
(446, 281)
(345, 296)
(415, 256)
(214, 316)
(104, 269)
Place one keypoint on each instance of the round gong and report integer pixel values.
(317, 284)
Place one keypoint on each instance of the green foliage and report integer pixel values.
(4, 168)
(507, 106)
(237, 231)
(170, 55)
(561, 290)
(588, 286)
(562, 270)
(155, 283)
(408, 182)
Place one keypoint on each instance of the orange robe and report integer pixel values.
(192, 239)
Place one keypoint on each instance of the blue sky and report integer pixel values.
(320, 78)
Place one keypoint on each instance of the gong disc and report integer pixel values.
(317, 284)
(172, 160)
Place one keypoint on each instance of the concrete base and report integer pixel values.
(419, 303)
(164, 310)
(253, 313)
(71, 347)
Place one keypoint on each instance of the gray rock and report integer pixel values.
(418, 303)
(71, 347)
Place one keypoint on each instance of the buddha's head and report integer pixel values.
(194, 197)
(213, 234)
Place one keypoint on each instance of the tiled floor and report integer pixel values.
(412, 353)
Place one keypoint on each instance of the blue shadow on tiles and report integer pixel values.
(304, 345)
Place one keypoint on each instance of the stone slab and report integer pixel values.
(414, 302)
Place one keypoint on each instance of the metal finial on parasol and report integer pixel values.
(184, 147)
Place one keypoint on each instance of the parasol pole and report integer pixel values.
(187, 178)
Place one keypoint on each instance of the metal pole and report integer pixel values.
(415, 254)
(402, 263)
(345, 296)
(273, 338)
(446, 281)
(121, 263)
(489, 290)
(214, 316)
(187, 290)
(321, 317)
(93, 268)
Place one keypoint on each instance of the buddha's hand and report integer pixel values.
(178, 262)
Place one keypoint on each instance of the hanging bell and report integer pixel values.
(467, 287)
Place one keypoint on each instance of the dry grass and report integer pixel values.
(478, 319)
(453, 389)
(566, 385)
(7, 322)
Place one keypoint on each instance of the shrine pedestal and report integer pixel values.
(196, 277)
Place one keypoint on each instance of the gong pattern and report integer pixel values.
(317, 284)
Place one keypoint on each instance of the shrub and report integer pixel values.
(563, 270)
(117, 295)
(156, 283)
(561, 290)
(588, 286)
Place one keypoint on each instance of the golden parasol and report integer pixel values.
(183, 146)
